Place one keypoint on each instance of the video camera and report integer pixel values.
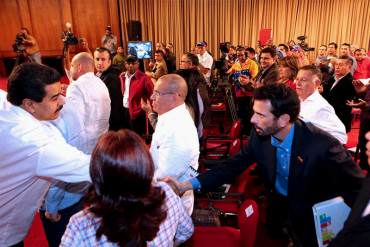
(68, 38)
(303, 43)
(19, 45)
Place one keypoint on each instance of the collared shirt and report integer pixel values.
(90, 98)
(3, 100)
(175, 147)
(337, 79)
(175, 229)
(206, 61)
(316, 110)
(127, 89)
(60, 194)
(363, 69)
(29, 153)
(283, 152)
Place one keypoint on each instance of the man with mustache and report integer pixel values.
(300, 163)
(32, 153)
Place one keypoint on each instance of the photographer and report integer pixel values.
(31, 47)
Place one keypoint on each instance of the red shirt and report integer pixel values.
(363, 69)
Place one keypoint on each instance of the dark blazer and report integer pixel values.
(356, 230)
(269, 76)
(117, 115)
(320, 169)
(338, 96)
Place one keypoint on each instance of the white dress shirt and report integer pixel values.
(206, 61)
(175, 147)
(316, 110)
(90, 97)
(31, 153)
(3, 101)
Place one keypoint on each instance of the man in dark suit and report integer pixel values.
(356, 230)
(109, 74)
(339, 90)
(268, 73)
(301, 164)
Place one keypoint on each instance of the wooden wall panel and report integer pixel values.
(46, 20)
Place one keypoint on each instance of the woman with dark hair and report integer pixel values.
(288, 69)
(126, 207)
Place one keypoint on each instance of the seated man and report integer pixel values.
(314, 108)
(31, 153)
(175, 145)
(301, 164)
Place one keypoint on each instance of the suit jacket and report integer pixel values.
(356, 230)
(320, 169)
(117, 115)
(269, 76)
(338, 96)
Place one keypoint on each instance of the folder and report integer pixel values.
(329, 217)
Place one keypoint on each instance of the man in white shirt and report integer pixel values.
(90, 97)
(314, 108)
(3, 101)
(205, 61)
(175, 145)
(31, 152)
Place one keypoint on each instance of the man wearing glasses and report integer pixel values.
(135, 85)
(175, 145)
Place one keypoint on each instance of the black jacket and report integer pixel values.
(320, 169)
(111, 79)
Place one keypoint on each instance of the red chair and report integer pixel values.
(224, 236)
(216, 147)
(248, 221)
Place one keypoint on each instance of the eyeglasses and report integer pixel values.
(157, 93)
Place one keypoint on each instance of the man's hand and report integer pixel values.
(359, 104)
(54, 217)
(359, 87)
(177, 187)
(146, 106)
(244, 80)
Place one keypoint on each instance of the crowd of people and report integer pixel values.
(80, 158)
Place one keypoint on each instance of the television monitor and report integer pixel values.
(141, 49)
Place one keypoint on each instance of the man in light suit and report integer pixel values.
(300, 163)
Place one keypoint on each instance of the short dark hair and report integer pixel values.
(324, 46)
(250, 50)
(103, 49)
(269, 50)
(283, 99)
(160, 52)
(123, 196)
(28, 81)
(241, 48)
(347, 58)
(24, 28)
(346, 44)
(286, 48)
(193, 58)
(313, 69)
(358, 50)
(333, 43)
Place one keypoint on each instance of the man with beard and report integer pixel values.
(31, 153)
(301, 165)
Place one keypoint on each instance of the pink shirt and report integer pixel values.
(363, 69)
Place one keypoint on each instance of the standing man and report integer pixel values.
(135, 86)
(314, 108)
(205, 61)
(345, 50)
(160, 67)
(340, 89)
(109, 40)
(31, 154)
(322, 58)
(90, 97)
(32, 48)
(363, 65)
(301, 164)
(269, 73)
(109, 74)
(175, 145)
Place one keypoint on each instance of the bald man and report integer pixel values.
(90, 98)
(175, 145)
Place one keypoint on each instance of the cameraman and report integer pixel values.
(32, 48)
